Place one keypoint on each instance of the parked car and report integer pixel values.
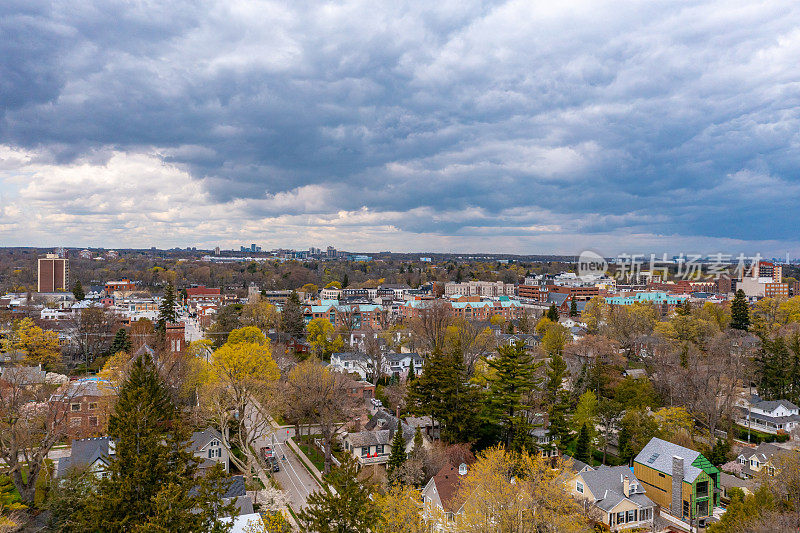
(267, 452)
(276, 467)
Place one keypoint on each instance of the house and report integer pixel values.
(575, 465)
(441, 502)
(361, 390)
(92, 453)
(400, 364)
(769, 416)
(207, 447)
(728, 482)
(373, 444)
(616, 493)
(85, 404)
(352, 362)
(680, 480)
(764, 458)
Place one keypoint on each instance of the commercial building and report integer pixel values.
(486, 289)
(53, 274)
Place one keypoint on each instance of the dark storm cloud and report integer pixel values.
(670, 118)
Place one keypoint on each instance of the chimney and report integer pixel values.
(626, 486)
(677, 486)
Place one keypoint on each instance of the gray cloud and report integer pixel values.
(673, 120)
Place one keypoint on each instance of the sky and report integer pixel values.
(455, 126)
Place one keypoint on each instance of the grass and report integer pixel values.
(313, 453)
(291, 511)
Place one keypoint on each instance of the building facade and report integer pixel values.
(53, 274)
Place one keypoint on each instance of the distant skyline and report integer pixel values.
(499, 127)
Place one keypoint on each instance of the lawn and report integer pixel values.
(314, 454)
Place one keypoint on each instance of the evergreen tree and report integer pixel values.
(121, 342)
(77, 291)
(166, 310)
(552, 313)
(557, 398)
(740, 312)
(398, 455)
(343, 505)
(513, 380)
(151, 473)
(582, 451)
(417, 442)
(292, 323)
(443, 391)
(573, 307)
(345, 281)
(412, 372)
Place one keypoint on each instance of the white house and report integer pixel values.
(616, 494)
(207, 447)
(769, 416)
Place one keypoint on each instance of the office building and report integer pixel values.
(53, 274)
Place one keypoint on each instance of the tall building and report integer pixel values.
(53, 274)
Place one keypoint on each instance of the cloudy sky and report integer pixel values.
(523, 126)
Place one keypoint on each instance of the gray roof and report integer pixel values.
(606, 484)
(23, 375)
(657, 454)
(397, 357)
(84, 453)
(576, 465)
(200, 438)
(771, 405)
(728, 481)
(369, 438)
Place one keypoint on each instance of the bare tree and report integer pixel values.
(31, 423)
(430, 327)
(472, 339)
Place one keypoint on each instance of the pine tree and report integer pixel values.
(443, 391)
(398, 455)
(151, 472)
(292, 323)
(740, 313)
(166, 310)
(345, 281)
(582, 451)
(412, 372)
(557, 398)
(514, 378)
(417, 442)
(552, 313)
(343, 505)
(121, 342)
(77, 291)
(573, 307)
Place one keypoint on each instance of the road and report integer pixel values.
(293, 477)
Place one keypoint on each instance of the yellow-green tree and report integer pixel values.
(400, 510)
(517, 492)
(239, 387)
(322, 338)
(38, 345)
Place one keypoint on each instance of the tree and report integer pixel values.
(260, 314)
(573, 307)
(166, 309)
(552, 313)
(241, 375)
(586, 413)
(609, 413)
(345, 281)
(292, 323)
(443, 391)
(430, 327)
(322, 338)
(399, 510)
(506, 491)
(398, 454)
(637, 427)
(583, 446)
(514, 378)
(342, 505)
(39, 346)
(77, 291)
(121, 342)
(228, 319)
(33, 418)
(740, 313)
(150, 483)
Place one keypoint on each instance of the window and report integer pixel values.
(93, 421)
(621, 517)
(364, 451)
(702, 489)
(771, 471)
(579, 487)
(93, 406)
(210, 453)
(685, 508)
(75, 407)
(742, 460)
(379, 449)
(631, 516)
(661, 475)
